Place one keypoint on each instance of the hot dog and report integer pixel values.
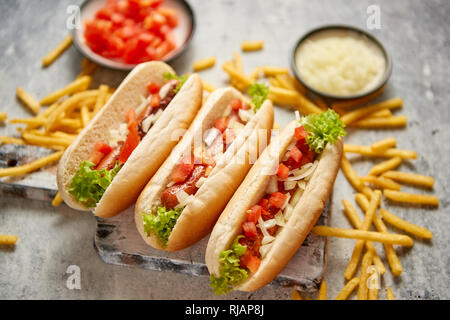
(276, 205)
(112, 159)
(183, 200)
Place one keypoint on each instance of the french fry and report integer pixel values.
(57, 200)
(88, 68)
(237, 59)
(285, 82)
(385, 166)
(293, 99)
(323, 291)
(365, 226)
(30, 102)
(296, 295)
(252, 45)
(401, 224)
(56, 52)
(358, 102)
(46, 141)
(388, 153)
(3, 116)
(270, 71)
(373, 294)
(321, 103)
(389, 294)
(101, 98)
(376, 123)
(208, 86)
(410, 178)
(353, 178)
(384, 144)
(365, 264)
(78, 85)
(383, 183)
(203, 64)
(352, 215)
(391, 255)
(8, 240)
(234, 74)
(255, 74)
(32, 166)
(363, 112)
(67, 106)
(11, 140)
(348, 289)
(384, 113)
(411, 197)
(390, 238)
(85, 115)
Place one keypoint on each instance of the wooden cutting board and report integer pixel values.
(117, 240)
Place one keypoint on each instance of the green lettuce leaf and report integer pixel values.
(182, 79)
(323, 128)
(88, 185)
(231, 273)
(162, 223)
(258, 92)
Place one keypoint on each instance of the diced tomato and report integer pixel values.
(155, 100)
(96, 156)
(283, 171)
(300, 133)
(153, 87)
(171, 16)
(307, 157)
(265, 212)
(264, 203)
(296, 154)
(183, 170)
(236, 104)
(133, 137)
(102, 147)
(249, 229)
(253, 263)
(221, 124)
(277, 200)
(254, 213)
(132, 30)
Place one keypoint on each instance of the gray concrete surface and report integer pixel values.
(51, 239)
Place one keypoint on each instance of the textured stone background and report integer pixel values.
(415, 32)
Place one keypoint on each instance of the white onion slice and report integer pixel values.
(143, 105)
(164, 90)
(245, 115)
(303, 175)
(289, 185)
(211, 135)
(262, 227)
(267, 239)
(200, 182)
(288, 196)
(288, 212)
(279, 218)
(263, 250)
(270, 223)
(227, 111)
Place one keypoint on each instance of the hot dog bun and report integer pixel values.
(303, 218)
(151, 151)
(199, 216)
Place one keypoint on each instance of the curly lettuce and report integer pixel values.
(258, 92)
(231, 273)
(323, 128)
(88, 185)
(181, 79)
(161, 223)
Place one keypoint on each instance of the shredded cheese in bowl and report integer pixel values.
(340, 62)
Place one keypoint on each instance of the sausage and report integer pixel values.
(169, 196)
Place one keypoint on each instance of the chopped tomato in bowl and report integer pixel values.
(123, 33)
